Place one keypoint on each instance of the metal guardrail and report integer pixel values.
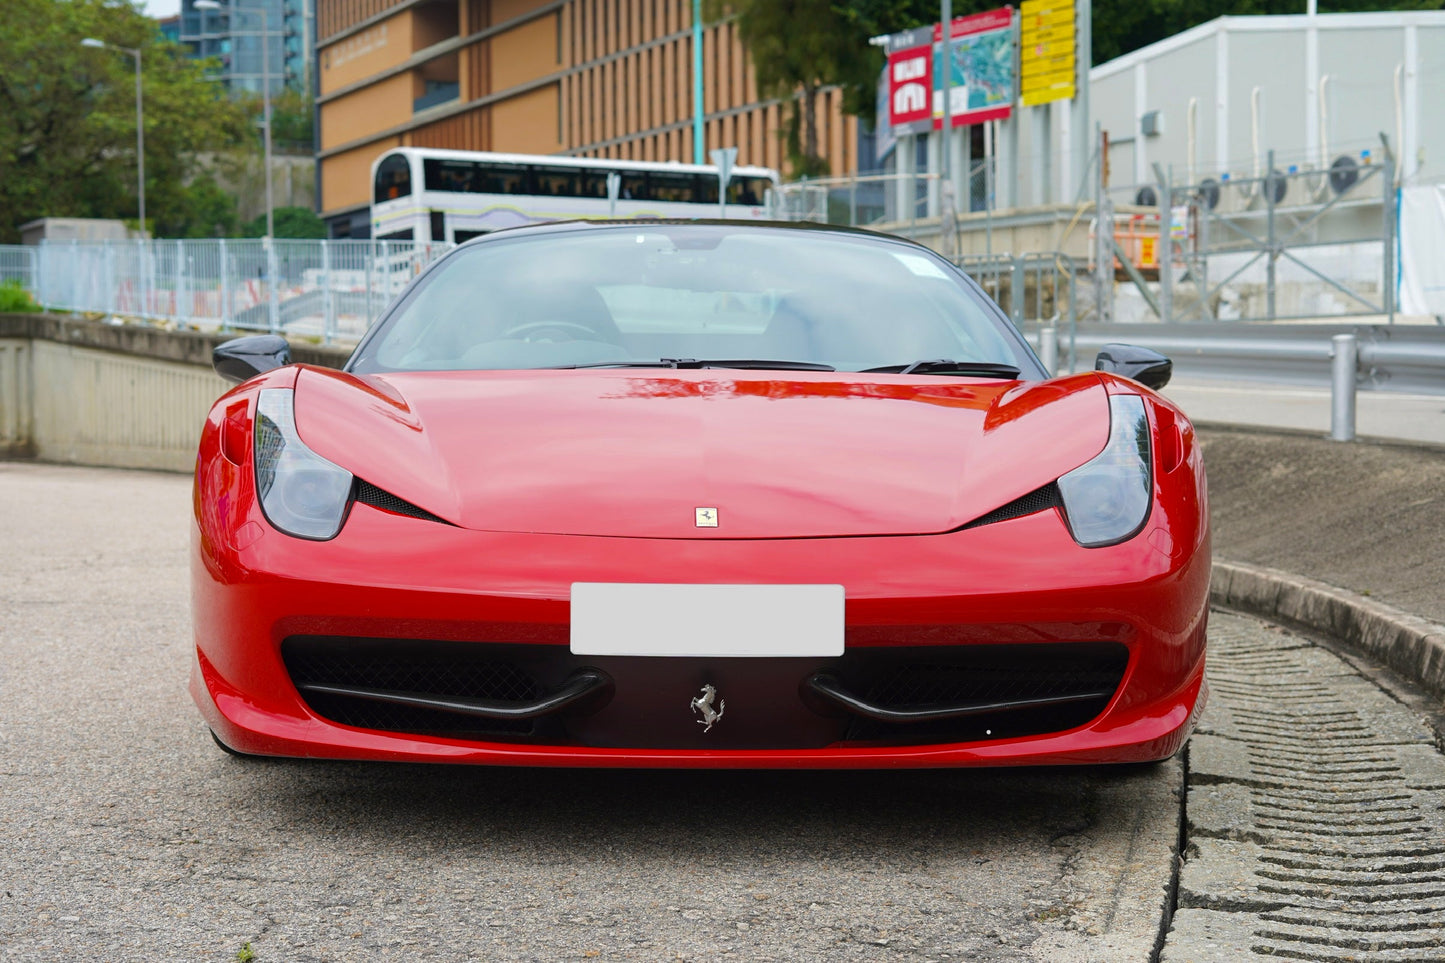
(1347, 358)
(1406, 358)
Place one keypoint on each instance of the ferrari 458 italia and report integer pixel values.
(698, 494)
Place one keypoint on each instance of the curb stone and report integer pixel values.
(1410, 645)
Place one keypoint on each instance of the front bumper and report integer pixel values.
(1020, 584)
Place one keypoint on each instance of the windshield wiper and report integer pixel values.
(983, 369)
(746, 363)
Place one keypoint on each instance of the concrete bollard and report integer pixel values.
(1049, 350)
(1345, 353)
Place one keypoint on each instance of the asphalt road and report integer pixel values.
(129, 836)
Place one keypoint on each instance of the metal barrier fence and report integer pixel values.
(859, 200)
(326, 290)
(17, 264)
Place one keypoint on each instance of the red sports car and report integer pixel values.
(698, 494)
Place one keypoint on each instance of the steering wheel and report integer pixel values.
(544, 331)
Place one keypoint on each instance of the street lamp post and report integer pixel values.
(265, 92)
(140, 133)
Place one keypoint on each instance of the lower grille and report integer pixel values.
(429, 668)
(878, 695)
(1080, 678)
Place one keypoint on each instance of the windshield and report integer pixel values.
(637, 294)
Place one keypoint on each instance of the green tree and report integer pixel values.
(206, 210)
(67, 118)
(290, 222)
(292, 120)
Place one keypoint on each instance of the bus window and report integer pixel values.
(591, 183)
(558, 181)
(706, 192)
(634, 187)
(748, 190)
(396, 236)
(675, 187)
(503, 179)
(393, 178)
(457, 177)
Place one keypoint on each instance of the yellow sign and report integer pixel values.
(1047, 51)
(1059, 49)
(1147, 255)
(1059, 33)
(1052, 89)
(1046, 18)
(1044, 95)
(1051, 65)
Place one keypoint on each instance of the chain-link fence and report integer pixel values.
(326, 290)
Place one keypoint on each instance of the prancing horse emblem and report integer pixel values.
(703, 704)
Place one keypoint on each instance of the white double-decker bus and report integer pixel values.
(422, 194)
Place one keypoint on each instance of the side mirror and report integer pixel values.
(1144, 365)
(242, 358)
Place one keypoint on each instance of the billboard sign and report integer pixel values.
(981, 72)
(910, 85)
(1047, 51)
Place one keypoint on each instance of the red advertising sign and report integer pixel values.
(910, 85)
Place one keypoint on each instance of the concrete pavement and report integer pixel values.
(130, 836)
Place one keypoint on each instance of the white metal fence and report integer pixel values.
(17, 264)
(327, 290)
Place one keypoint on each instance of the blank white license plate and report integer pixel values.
(776, 621)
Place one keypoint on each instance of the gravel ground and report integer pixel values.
(130, 836)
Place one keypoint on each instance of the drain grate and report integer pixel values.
(1316, 813)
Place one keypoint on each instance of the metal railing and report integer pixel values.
(319, 289)
(17, 264)
(861, 200)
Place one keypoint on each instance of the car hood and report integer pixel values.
(624, 452)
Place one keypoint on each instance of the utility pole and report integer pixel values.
(140, 132)
(697, 136)
(1079, 125)
(945, 17)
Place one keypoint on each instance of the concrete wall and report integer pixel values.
(85, 393)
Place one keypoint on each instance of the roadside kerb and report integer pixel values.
(1410, 645)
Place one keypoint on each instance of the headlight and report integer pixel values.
(301, 493)
(1106, 500)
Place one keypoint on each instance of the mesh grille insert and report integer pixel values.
(1035, 501)
(991, 673)
(369, 494)
(422, 668)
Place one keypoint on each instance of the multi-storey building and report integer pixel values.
(594, 78)
(233, 35)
